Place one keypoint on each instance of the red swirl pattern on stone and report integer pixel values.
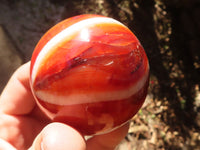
(90, 72)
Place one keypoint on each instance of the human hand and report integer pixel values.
(23, 125)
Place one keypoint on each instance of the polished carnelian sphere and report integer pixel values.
(90, 72)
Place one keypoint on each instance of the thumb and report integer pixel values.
(4, 145)
(60, 137)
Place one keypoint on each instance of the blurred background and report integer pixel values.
(169, 32)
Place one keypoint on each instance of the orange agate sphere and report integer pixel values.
(90, 72)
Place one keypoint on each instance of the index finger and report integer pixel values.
(17, 98)
(108, 141)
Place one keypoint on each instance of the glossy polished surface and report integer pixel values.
(90, 72)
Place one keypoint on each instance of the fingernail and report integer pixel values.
(42, 146)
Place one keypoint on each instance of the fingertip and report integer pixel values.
(17, 97)
(60, 137)
(5, 145)
(109, 140)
